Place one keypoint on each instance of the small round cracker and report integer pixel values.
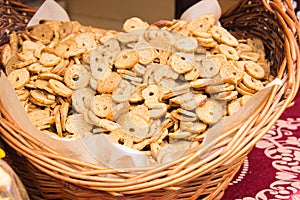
(200, 26)
(58, 124)
(60, 88)
(208, 68)
(134, 23)
(253, 56)
(41, 32)
(229, 52)
(76, 77)
(81, 99)
(222, 35)
(123, 92)
(252, 83)
(6, 54)
(76, 124)
(134, 126)
(64, 110)
(180, 64)
(49, 57)
(126, 59)
(230, 73)
(42, 97)
(48, 76)
(233, 106)
(211, 112)
(108, 84)
(22, 94)
(186, 44)
(86, 41)
(102, 106)
(193, 127)
(255, 70)
(19, 78)
(146, 52)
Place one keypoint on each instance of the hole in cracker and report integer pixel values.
(156, 60)
(100, 70)
(131, 130)
(75, 77)
(124, 56)
(121, 141)
(182, 58)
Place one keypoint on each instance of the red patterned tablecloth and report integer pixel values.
(272, 169)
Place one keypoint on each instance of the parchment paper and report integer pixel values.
(98, 149)
(49, 10)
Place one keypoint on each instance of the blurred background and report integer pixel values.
(112, 13)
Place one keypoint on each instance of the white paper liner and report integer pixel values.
(202, 8)
(49, 10)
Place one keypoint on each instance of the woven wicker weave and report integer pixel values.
(14, 16)
(49, 175)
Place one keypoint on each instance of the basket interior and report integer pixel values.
(250, 19)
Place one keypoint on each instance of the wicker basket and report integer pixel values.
(49, 175)
(14, 17)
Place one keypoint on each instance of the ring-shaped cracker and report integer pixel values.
(211, 112)
(76, 77)
(60, 88)
(102, 106)
(19, 78)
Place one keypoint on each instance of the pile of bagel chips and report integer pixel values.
(152, 89)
